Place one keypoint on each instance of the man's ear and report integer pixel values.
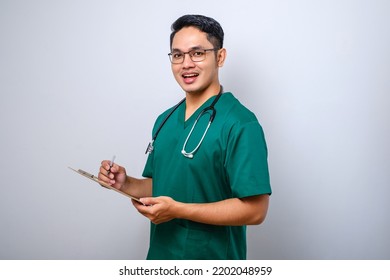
(221, 56)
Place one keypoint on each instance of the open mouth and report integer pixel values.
(185, 76)
(189, 78)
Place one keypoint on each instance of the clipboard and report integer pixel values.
(95, 179)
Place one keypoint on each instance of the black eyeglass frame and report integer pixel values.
(191, 54)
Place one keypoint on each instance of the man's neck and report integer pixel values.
(196, 99)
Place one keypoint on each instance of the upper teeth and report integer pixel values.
(190, 75)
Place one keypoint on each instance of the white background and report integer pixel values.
(83, 80)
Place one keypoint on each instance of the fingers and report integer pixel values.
(106, 165)
(103, 171)
(107, 172)
(156, 209)
(146, 210)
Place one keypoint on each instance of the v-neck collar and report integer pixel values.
(191, 119)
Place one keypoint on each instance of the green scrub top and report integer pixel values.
(230, 163)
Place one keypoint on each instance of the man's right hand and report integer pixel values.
(115, 175)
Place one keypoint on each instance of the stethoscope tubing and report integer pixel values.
(191, 154)
(150, 147)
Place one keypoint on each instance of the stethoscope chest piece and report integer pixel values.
(150, 147)
(187, 155)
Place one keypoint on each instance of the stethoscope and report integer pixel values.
(211, 108)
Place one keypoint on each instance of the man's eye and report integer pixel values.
(198, 54)
(177, 55)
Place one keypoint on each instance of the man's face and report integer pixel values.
(195, 77)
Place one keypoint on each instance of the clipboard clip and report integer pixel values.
(90, 176)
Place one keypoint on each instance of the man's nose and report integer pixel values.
(188, 61)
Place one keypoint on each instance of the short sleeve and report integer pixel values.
(246, 160)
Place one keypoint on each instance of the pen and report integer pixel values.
(111, 164)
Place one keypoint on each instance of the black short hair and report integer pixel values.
(205, 24)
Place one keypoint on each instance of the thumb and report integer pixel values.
(149, 201)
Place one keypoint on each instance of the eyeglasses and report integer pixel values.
(197, 55)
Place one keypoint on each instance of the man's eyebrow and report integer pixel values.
(192, 48)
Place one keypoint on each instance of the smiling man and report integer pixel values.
(206, 176)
